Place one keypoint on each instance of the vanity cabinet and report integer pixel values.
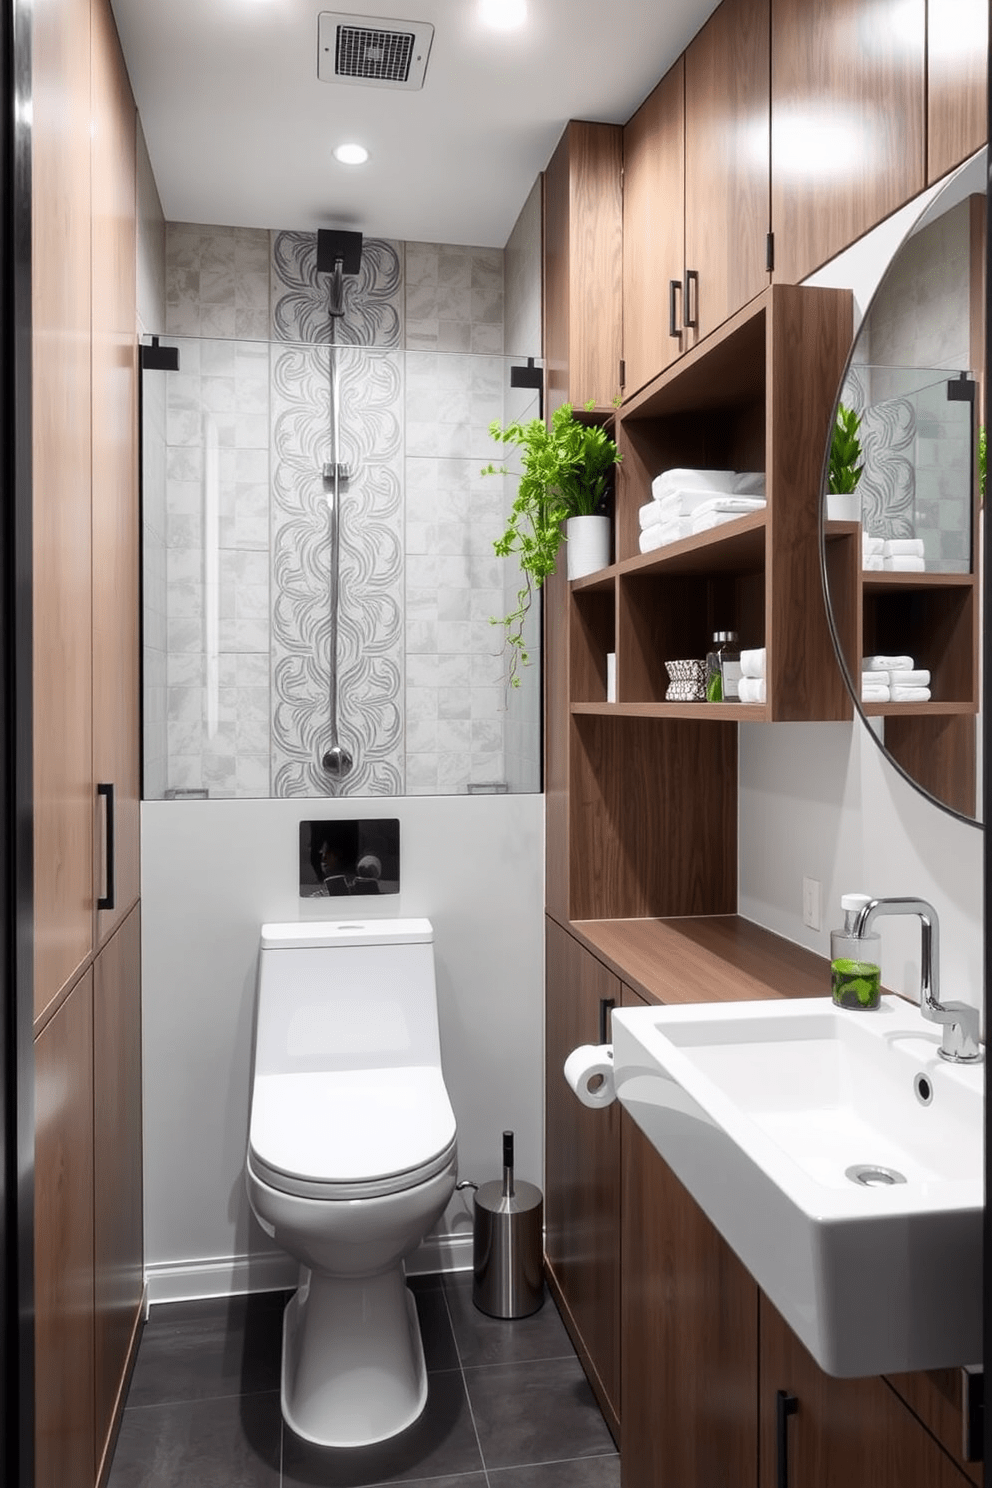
(583, 227)
(848, 122)
(817, 1431)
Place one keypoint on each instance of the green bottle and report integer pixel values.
(855, 961)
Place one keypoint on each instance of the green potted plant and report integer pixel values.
(565, 474)
(844, 471)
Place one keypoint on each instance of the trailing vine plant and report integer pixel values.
(566, 469)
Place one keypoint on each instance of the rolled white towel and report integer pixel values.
(752, 689)
(910, 694)
(872, 563)
(682, 478)
(753, 662)
(749, 483)
(907, 564)
(874, 692)
(872, 545)
(736, 504)
(909, 677)
(886, 663)
(904, 547)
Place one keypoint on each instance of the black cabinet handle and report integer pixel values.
(109, 899)
(606, 1006)
(786, 1405)
(674, 289)
(690, 301)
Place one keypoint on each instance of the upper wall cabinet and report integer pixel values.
(957, 64)
(583, 224)
(848, 105)
(695, 212)
(727, 134)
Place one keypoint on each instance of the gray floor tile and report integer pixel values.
(441, 1444)
(435, 1330)
(204, 1350)
(584, 1472)
(221, 1443)
(486, 1340)
(535, 1412)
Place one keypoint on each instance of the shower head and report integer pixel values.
(335, 246)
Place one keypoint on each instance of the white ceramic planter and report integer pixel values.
(587, 545)
(844, 506)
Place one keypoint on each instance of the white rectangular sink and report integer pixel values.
(764, 1109)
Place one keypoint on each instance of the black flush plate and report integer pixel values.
(349, 859)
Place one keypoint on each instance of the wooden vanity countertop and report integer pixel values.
(707, 958)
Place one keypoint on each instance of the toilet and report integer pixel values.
(351, 1160)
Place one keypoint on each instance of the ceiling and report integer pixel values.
(241, 132)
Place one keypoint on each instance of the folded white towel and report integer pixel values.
(682, 503)
(753, 662)
(874, 693)
(752, 690)
(886, 663)
(904, 547)
(907, 564)
(909, 677)
(682, 479)
(738, 505)
(872, 545)
(873, 563)
(910, 694)
(651, 514)
(663, 533)
(709, 520)
(749, 483)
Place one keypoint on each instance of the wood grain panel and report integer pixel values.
(936, 1398)
(557, 267)
(582, 1165)
(64, 1245)
(727, 160)
(653, 227)
(117, 1226)
(653, 817)
(957, 63)
(809, 333)
(116, 663)
(595, 318)
(940, 754)
(556, 742)
(848, 91)
(63, 779)
(852, 1431)
(690, 1336)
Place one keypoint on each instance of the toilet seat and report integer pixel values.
(352, 1133)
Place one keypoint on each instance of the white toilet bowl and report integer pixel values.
(351, 1160)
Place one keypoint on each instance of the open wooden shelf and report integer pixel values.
(917, 710)
(701, 712)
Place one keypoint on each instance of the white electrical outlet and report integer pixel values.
(811, 903)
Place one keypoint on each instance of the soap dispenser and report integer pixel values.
(723, 668)
(855, 960)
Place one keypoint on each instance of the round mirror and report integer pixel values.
(900, 535)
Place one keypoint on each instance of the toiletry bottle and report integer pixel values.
(855, 961)
(724, 646)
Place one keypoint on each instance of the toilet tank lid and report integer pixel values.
(304, 934)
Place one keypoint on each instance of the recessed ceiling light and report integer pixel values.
(351, 154)
(503, 15)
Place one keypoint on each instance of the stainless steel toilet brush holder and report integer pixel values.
(507, 1244)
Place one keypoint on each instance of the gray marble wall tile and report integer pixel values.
(370, 614)
(373, 298)
(454, 298)
(216, 281)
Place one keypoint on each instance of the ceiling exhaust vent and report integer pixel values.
(371, 51)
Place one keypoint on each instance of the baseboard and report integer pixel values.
(274, 1271)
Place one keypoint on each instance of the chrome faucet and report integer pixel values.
(959, 1020)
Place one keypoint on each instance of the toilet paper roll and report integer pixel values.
(583, 1065)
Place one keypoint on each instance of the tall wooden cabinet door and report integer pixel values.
(63, 764)
(654, 231)
(848, 103)
(117, 1218)
(727, 164)
(957, 68)
(116, 709)
(854, 1432)
(63, 1253)
(582, 1168)
(689, 1362)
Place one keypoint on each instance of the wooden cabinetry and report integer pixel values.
(957, 65)
(689, 1336)
(828, 1431)
(583, 226)
(848, 122)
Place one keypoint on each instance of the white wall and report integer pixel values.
(819, 800)
(212, 873)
